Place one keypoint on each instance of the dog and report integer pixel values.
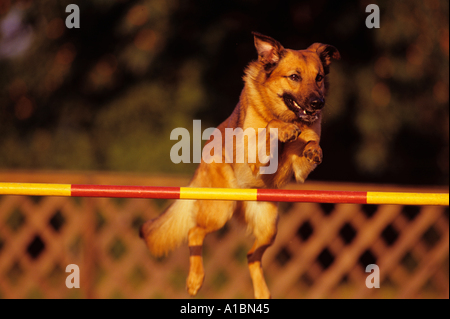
(284, 90)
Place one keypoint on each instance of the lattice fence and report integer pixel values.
(321, 250)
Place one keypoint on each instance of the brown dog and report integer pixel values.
(284, 89)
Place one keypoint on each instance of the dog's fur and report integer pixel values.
(284, 89)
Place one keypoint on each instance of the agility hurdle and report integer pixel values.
(275, 195)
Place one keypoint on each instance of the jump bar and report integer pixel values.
(276, 195)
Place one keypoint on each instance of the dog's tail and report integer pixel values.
(170, 229)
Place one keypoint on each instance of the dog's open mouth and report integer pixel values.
(301, 112)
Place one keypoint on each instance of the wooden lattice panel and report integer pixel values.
(40, 237)
(321, 250)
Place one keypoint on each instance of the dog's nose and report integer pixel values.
(317, 103)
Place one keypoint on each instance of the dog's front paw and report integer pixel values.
(288, 133)
(313, 153)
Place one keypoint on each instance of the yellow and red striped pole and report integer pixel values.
(277, 195)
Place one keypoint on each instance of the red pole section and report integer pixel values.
(286, 195)
(125, 191)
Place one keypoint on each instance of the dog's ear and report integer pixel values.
(270, 51)
(325, 53)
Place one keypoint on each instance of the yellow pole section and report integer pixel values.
(218, 193)
(35, 189)
(407, 198)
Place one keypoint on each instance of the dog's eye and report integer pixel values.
(319, 78)
(294, 77)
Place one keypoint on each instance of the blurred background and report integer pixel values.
(97, 105)
(107, 95)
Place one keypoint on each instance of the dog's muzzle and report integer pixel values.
(308, 113)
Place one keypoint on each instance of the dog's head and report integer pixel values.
(294, 82)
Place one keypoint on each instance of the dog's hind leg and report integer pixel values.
(196, 271)
(211, 216)
(262, 221)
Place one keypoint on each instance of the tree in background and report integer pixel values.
(107, 95)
